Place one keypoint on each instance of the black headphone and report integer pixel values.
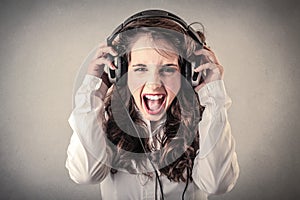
(194, 78)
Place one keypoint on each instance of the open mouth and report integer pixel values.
(154, 103)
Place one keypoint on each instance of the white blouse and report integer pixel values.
(215, 169)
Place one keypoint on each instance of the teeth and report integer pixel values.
(154, 97)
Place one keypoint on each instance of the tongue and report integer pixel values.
(153, 105)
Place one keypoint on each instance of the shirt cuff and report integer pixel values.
(91, 82)
(215, 89)
(85, 98)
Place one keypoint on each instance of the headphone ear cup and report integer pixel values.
(186, 69)
(121, 71)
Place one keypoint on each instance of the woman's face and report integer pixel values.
(153, 77)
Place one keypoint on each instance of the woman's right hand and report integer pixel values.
(101, 58)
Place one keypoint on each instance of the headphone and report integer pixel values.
(194, 78)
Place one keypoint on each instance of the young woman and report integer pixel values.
(153, 134)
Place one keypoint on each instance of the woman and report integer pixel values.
(153, 134)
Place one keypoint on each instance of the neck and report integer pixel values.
(153, 125)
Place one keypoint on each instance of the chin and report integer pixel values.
(154, 117)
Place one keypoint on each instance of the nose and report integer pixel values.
(153, 86)
(153, 82)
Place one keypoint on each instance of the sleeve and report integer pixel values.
(86, 154)
(216, 167)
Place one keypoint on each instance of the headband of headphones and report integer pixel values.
(157, 14)
(121, 62)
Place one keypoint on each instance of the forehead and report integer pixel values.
(152, 56)
(145, 48)
(147, 42)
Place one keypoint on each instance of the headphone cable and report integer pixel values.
(135, 129)
(187, 182)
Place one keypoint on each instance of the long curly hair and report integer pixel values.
(177, 136)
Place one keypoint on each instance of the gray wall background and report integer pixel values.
(43, 44)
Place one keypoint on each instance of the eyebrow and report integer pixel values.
(166, 65)
(139, 65)
(170, 65)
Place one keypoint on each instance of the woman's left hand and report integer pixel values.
(214, 70)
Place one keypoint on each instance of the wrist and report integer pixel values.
(105, 79)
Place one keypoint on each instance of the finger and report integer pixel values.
(209, 54)
(208, 48)
(99, 49)
(104, 61)
(197, 88)
(204, 52)
(205, 66)
(103, 51)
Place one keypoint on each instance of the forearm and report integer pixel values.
(215, 168)
(87, 156)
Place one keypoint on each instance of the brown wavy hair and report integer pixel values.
(178, 135)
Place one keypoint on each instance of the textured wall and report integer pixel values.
(43, 44)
